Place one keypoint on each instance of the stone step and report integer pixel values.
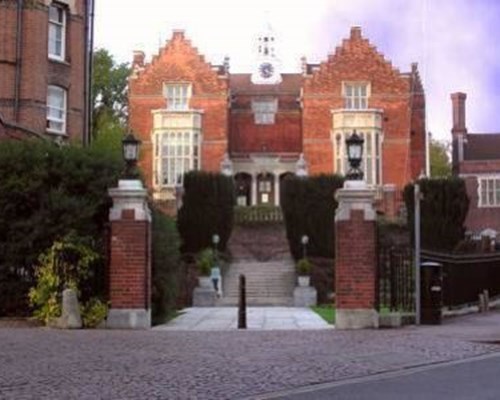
(256, 301)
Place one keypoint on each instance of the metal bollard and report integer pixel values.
(242, 305)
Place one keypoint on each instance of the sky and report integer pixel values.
(456, 43)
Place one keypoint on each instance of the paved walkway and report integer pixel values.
(258, 318)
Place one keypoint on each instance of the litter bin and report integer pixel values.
(431, 287)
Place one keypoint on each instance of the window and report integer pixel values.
(489, 191)
(264, 111)
(57, 31)
(371, 164)
(356, 96)
(176, 152)
(56, 109)
(177, 96)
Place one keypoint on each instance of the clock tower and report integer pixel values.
(266, 70)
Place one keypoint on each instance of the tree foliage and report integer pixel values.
(444, 207)
(109, 92)
(439, 159)
(309, 209)
(207, 209)
(45, 193)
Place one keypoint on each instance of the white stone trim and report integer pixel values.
(128, 318)
(359, 318)
(129, 195)
(356, 195)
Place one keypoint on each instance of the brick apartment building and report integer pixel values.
(44, 65)
(476, 158)
(265, 124)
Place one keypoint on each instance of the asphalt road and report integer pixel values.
(472, 380)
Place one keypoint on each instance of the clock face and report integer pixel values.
(266, 70)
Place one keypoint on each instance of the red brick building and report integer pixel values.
(265, 124)
(43, 68)
(476, 158)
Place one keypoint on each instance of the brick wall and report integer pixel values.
(37, 71)
(129, 263)
(355, 265)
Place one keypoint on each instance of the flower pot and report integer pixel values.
(304, 280)
(205, 282)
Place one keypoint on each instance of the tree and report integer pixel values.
(440, 161)
(109, 92)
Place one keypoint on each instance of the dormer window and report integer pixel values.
(356, 95)
(177, 96)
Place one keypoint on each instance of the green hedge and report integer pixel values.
(166, 266)
(207, 209)
(309, 209)
(444, 207)
(45, 193)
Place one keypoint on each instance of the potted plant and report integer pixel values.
(205, 260)
(304, 271)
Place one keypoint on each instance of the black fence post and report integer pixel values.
(242, 305)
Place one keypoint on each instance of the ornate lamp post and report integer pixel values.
(130, 149)
(304, 240)
(354, 145)
(215, 241)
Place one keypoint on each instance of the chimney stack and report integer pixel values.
(458, 131)
(458, 102)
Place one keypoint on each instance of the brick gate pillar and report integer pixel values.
(130, 257)
(355, 266)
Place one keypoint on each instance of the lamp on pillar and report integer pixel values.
(130, 148)
(304, 240)
(354, 145)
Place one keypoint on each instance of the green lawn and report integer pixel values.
(325, 311)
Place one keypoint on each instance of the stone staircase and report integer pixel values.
(268, 283)
(260, 252)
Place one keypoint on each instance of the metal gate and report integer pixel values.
(396, 282)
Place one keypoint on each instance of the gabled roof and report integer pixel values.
(482, 146)
(242, 84)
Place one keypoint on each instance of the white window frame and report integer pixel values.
(372, 154)
(56, 112)
(264, 111)
(488, 191)
(176, 152)
(177, 95)
(55, 26)
(356, 95)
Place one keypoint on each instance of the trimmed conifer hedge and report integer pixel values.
(309, 209)
(207, 209)
(444, 207)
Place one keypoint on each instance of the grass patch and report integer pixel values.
(325, 311)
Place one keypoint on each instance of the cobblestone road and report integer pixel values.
(39, 363)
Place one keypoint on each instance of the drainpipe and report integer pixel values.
(19, 42)
(87, 91)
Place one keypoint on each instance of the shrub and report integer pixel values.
(45, 193)
(444, 208)
(309, 209)
(166, 266)
(205, 260)
(207, 209)
(67, 263)
(303, 267)
(93, 312)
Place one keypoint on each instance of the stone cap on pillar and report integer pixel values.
(130, 195)
(355, 195)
